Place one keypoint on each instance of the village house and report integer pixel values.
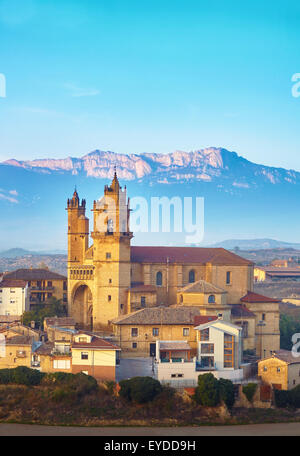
(14, 297)
(62, 322)
(219, 351)
(281, 370)
(94, 356)
(42, 284)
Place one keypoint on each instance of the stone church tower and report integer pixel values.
(99, 276)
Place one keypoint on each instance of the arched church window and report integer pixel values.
(192, 276)
(211, 299)
(159, 279)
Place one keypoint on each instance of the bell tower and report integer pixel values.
(78, 230)
(111, 253)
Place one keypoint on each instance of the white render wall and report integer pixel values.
(216, 337)
(13, 301)
(164, 371)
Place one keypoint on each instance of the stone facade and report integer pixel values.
(111, 279)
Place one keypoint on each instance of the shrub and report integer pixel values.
(21, 375)
(140, 389)
(226, 390)
(282, 398)
(249, 391)
(207, 391)
(5, 376)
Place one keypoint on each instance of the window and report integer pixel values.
(110, 226)
(265, 368)
(84, 355)
(228, 350)
(176, 375)
(155, 332)
(108, 255)
(134, 345)
(263, 317)
(109, 280)
(278, 369)
(159, 279)
(134, 332)
(207, 362)
(61, 364)
(122, 306)
(109, 297)
(82, 339)
(192, 276)
(49, 284)
(181, 298)
(228, 277)
(65, 285)
(186, 332)
(143, 301)
(204, 334)
(211, 299)
(207, 348)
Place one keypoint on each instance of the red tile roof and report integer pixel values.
(12, 283)
(202, 319)
(96, 343)
(238, 311)
(254, 297)
(186, 255)
(34, 274)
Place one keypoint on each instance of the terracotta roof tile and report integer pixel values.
(202, 287)
(254, 297)
(98, 343)
(12, 283)
(202, 319)
(34, 274)
(238, 311)
(160, 315)
(200, 255)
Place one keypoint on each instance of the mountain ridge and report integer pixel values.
(202, 165)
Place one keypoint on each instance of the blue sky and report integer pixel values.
(150, 76)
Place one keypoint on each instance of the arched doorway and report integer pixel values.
(82, 306)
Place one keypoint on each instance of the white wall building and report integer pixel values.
(219, 351)
(14, 297)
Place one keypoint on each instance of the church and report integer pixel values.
(111, 279)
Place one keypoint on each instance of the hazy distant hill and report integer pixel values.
(242, 199)
(18, 252)
(255, 244)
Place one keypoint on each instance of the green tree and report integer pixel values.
(50, 308)
(249, 391)
(140, 389)
(207, 392)
(226, 389)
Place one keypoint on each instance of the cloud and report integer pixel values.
(13, 192)
(76, 91)
(8, 198)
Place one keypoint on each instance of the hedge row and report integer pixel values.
(21, 375)
(290, 398)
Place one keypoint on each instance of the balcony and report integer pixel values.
(41, 289)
